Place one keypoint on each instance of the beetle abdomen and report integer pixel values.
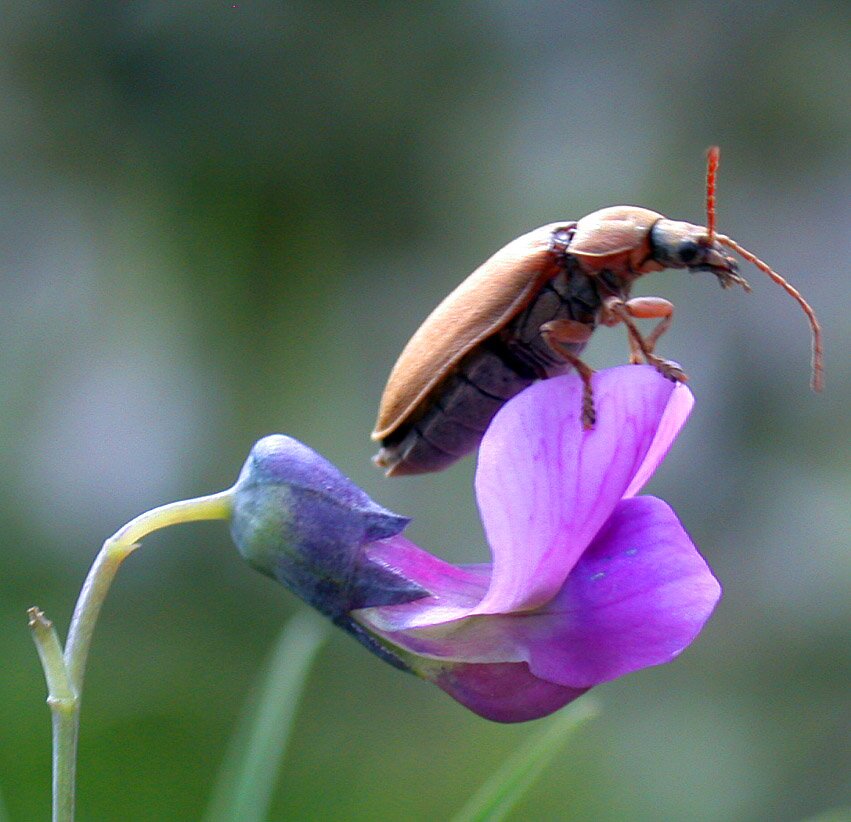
(456, 417)
(457, 413)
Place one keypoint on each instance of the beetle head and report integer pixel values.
(629, 241)
(676, 244)
(636, 241)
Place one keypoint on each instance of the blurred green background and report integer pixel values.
(222, 220)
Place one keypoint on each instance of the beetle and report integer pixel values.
(526, 314)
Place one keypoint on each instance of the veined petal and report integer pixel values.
(588, 582)
(545, 486)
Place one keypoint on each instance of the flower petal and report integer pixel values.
(453, 589)
(502, 693)
(673, 419)
(545, 485)
(637, 597)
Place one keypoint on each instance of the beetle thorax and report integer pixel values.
(617, 240)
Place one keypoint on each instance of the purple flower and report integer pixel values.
(588, 581)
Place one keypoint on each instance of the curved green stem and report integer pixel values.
(115, 550)
(64, 672)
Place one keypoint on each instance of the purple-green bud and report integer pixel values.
(297, 519)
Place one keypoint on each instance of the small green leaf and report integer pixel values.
(499, 794)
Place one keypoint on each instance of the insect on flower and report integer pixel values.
(588, 579)
(527, 313)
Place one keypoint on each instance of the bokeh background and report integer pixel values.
(222, 220)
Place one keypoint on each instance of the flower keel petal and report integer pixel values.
(502, 693)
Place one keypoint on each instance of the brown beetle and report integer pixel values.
(527, 313)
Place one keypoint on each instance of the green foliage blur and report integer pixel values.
(223, 220)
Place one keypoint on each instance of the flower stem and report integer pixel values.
(63, 710)
(115, 550)
(64, 672)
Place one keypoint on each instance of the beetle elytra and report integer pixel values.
(526, 314)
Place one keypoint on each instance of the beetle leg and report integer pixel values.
(635, 352)
(615, 309)
(650, 308)
(556, 334)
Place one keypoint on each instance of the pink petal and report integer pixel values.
(673, 419)
(502, 693)
(545, 485)
(637, 597)
(455, 589)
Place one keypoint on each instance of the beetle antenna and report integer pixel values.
(713, 157)
(818, 352)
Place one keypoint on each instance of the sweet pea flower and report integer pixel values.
(587, 582)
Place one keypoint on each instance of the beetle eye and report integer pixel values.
(688, 251)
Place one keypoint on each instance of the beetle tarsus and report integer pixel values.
(589, 414)
(668, 368)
